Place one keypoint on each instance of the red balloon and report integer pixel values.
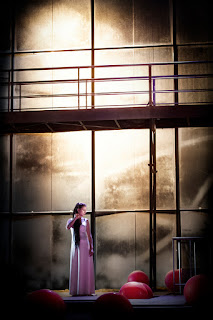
(112, 305)
(169, 280)
(138, 276)
(149, 291)
(136, 290)
(45, 303)
(197, 289)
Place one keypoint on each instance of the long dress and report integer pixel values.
(81, 264)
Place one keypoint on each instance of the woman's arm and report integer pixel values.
(70, 222)
(90, 239)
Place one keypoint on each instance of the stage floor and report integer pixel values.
(160, 298)
(162, 304)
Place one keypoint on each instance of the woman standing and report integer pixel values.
(81, 260)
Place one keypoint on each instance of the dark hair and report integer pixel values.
(77, 223)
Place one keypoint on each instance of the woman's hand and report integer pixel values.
(71, 222)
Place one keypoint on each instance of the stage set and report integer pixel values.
(134, 300)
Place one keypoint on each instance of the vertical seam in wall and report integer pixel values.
(52, 52)
(135, 240)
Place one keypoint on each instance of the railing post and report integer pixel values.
(150, 85)
(176, 83)
(8, 104)
(154, 95)
(86, 94)
(20, 97)
(93, 88)
(78, 88)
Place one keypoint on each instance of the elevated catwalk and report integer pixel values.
(90, 99)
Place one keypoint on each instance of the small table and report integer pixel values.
(192, 241)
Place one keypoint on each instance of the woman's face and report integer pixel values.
(82, 211)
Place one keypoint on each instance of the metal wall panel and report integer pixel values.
(196, 177)
(31, 251)
(71, 170)
(4, 172)
(32, 173)
(58, 24)
(122, 171)
(165, 152)
(166, 229)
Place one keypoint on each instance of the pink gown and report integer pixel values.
(81, 264)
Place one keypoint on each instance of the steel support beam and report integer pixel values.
(56, 116)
